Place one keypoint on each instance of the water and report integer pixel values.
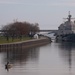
(50, 59)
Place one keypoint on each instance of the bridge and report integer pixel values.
(53, 31)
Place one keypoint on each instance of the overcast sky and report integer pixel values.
(48, 13)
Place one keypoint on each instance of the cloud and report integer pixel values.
(9, 2)
(70, 3)
(62, 4)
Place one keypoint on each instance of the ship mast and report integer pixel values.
(69, 17)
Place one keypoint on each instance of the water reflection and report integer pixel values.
(66, 49)
(51, 59)
(19, 56)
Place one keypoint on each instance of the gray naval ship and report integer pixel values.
(66, 31)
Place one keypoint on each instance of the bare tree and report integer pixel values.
(19, 29)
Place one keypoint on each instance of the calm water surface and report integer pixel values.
(50, 59)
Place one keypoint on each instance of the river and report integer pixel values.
(51, 59)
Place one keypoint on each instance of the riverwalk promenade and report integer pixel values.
(25, 44)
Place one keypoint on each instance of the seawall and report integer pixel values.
(25, 44)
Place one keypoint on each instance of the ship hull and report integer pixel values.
(66, 38)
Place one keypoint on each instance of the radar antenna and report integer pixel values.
(69, 17)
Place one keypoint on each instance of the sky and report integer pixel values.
(48, 14)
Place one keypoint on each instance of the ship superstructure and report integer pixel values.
(66, 31)
(67, 27)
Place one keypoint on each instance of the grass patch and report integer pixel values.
(4, 40)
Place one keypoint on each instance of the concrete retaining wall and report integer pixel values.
(25, 44)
